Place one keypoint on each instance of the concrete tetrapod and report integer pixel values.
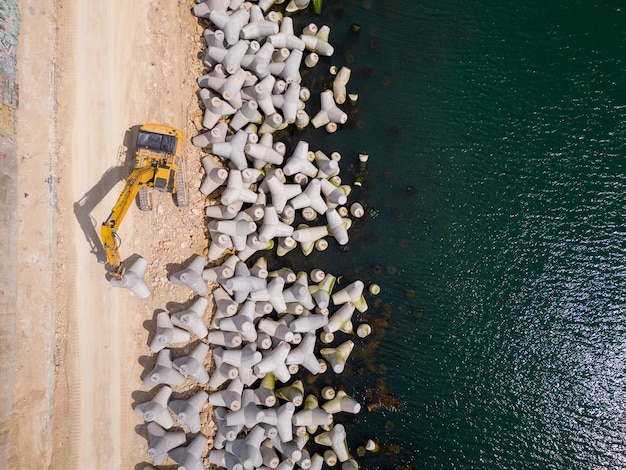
(226, 306)
(261, 93)
(275, 290)
(224, 432)
(291, 102)
(330, 458)
(265, 394)
(322, 294)
(215, 109)
(286, 37)
(156, 409)
(245, 371)
(299, 161)
(133, 279)
(263, 154)
(161, 442)
(236, 190)
(229, 397)
(253, 245)
(327, 167)
(291, 450)
(242, 283)
(217, 134)
(216, 176)
(305, 460)
(281, 192)
(284, 414)
(193, 364)
(319, 42)
(312, 417)
(270, 456)
(225, 459)
(311, 197)
(249, 414)
(233, 58)
(222, 374)
(276, 329)
(304, 354)
(219, 243)
(224, 338)
(190, 457)
(233, 150)
(248, 448)
(339, 442)
(339, 84)
(274, 362)
(341, 320)
(188, 411)
(317, 462)
(258, 27)
(163, 372)
(241, 357)
(299, 292)
(336, 439)
(221, 272)
(286, 273)
(239, 230)
(294, 392)
(342, 402)
(304, 234)
(350, 464)
(230, 89)
(193, 317)
(248, 113)
(231, 25)
(272, 227)
(259, 268)
(350, 293)
(334, 195)
(242, 322)
(166, 333)
(289, 70)
(329, 112)
(203, 10)
(191, 276)
(336, 226)
(338, 356)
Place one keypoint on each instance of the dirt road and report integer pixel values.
(104, 66)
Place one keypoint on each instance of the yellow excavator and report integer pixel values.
(158, 164)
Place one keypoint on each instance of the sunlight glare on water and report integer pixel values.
(496, 133)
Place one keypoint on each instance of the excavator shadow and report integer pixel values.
(93, 197)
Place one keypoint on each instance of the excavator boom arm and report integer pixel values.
(138, 178)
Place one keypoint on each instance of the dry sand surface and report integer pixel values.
(88, 71)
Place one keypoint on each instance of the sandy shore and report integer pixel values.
(88, 71)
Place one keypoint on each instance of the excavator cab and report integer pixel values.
(162, 143)
(161, 146)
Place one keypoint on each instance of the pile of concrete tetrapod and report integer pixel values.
(265, 327)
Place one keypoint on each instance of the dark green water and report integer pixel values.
(497, 135)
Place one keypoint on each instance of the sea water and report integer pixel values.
(497, 177)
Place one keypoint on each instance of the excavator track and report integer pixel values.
(143, 199)
(181, 186)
